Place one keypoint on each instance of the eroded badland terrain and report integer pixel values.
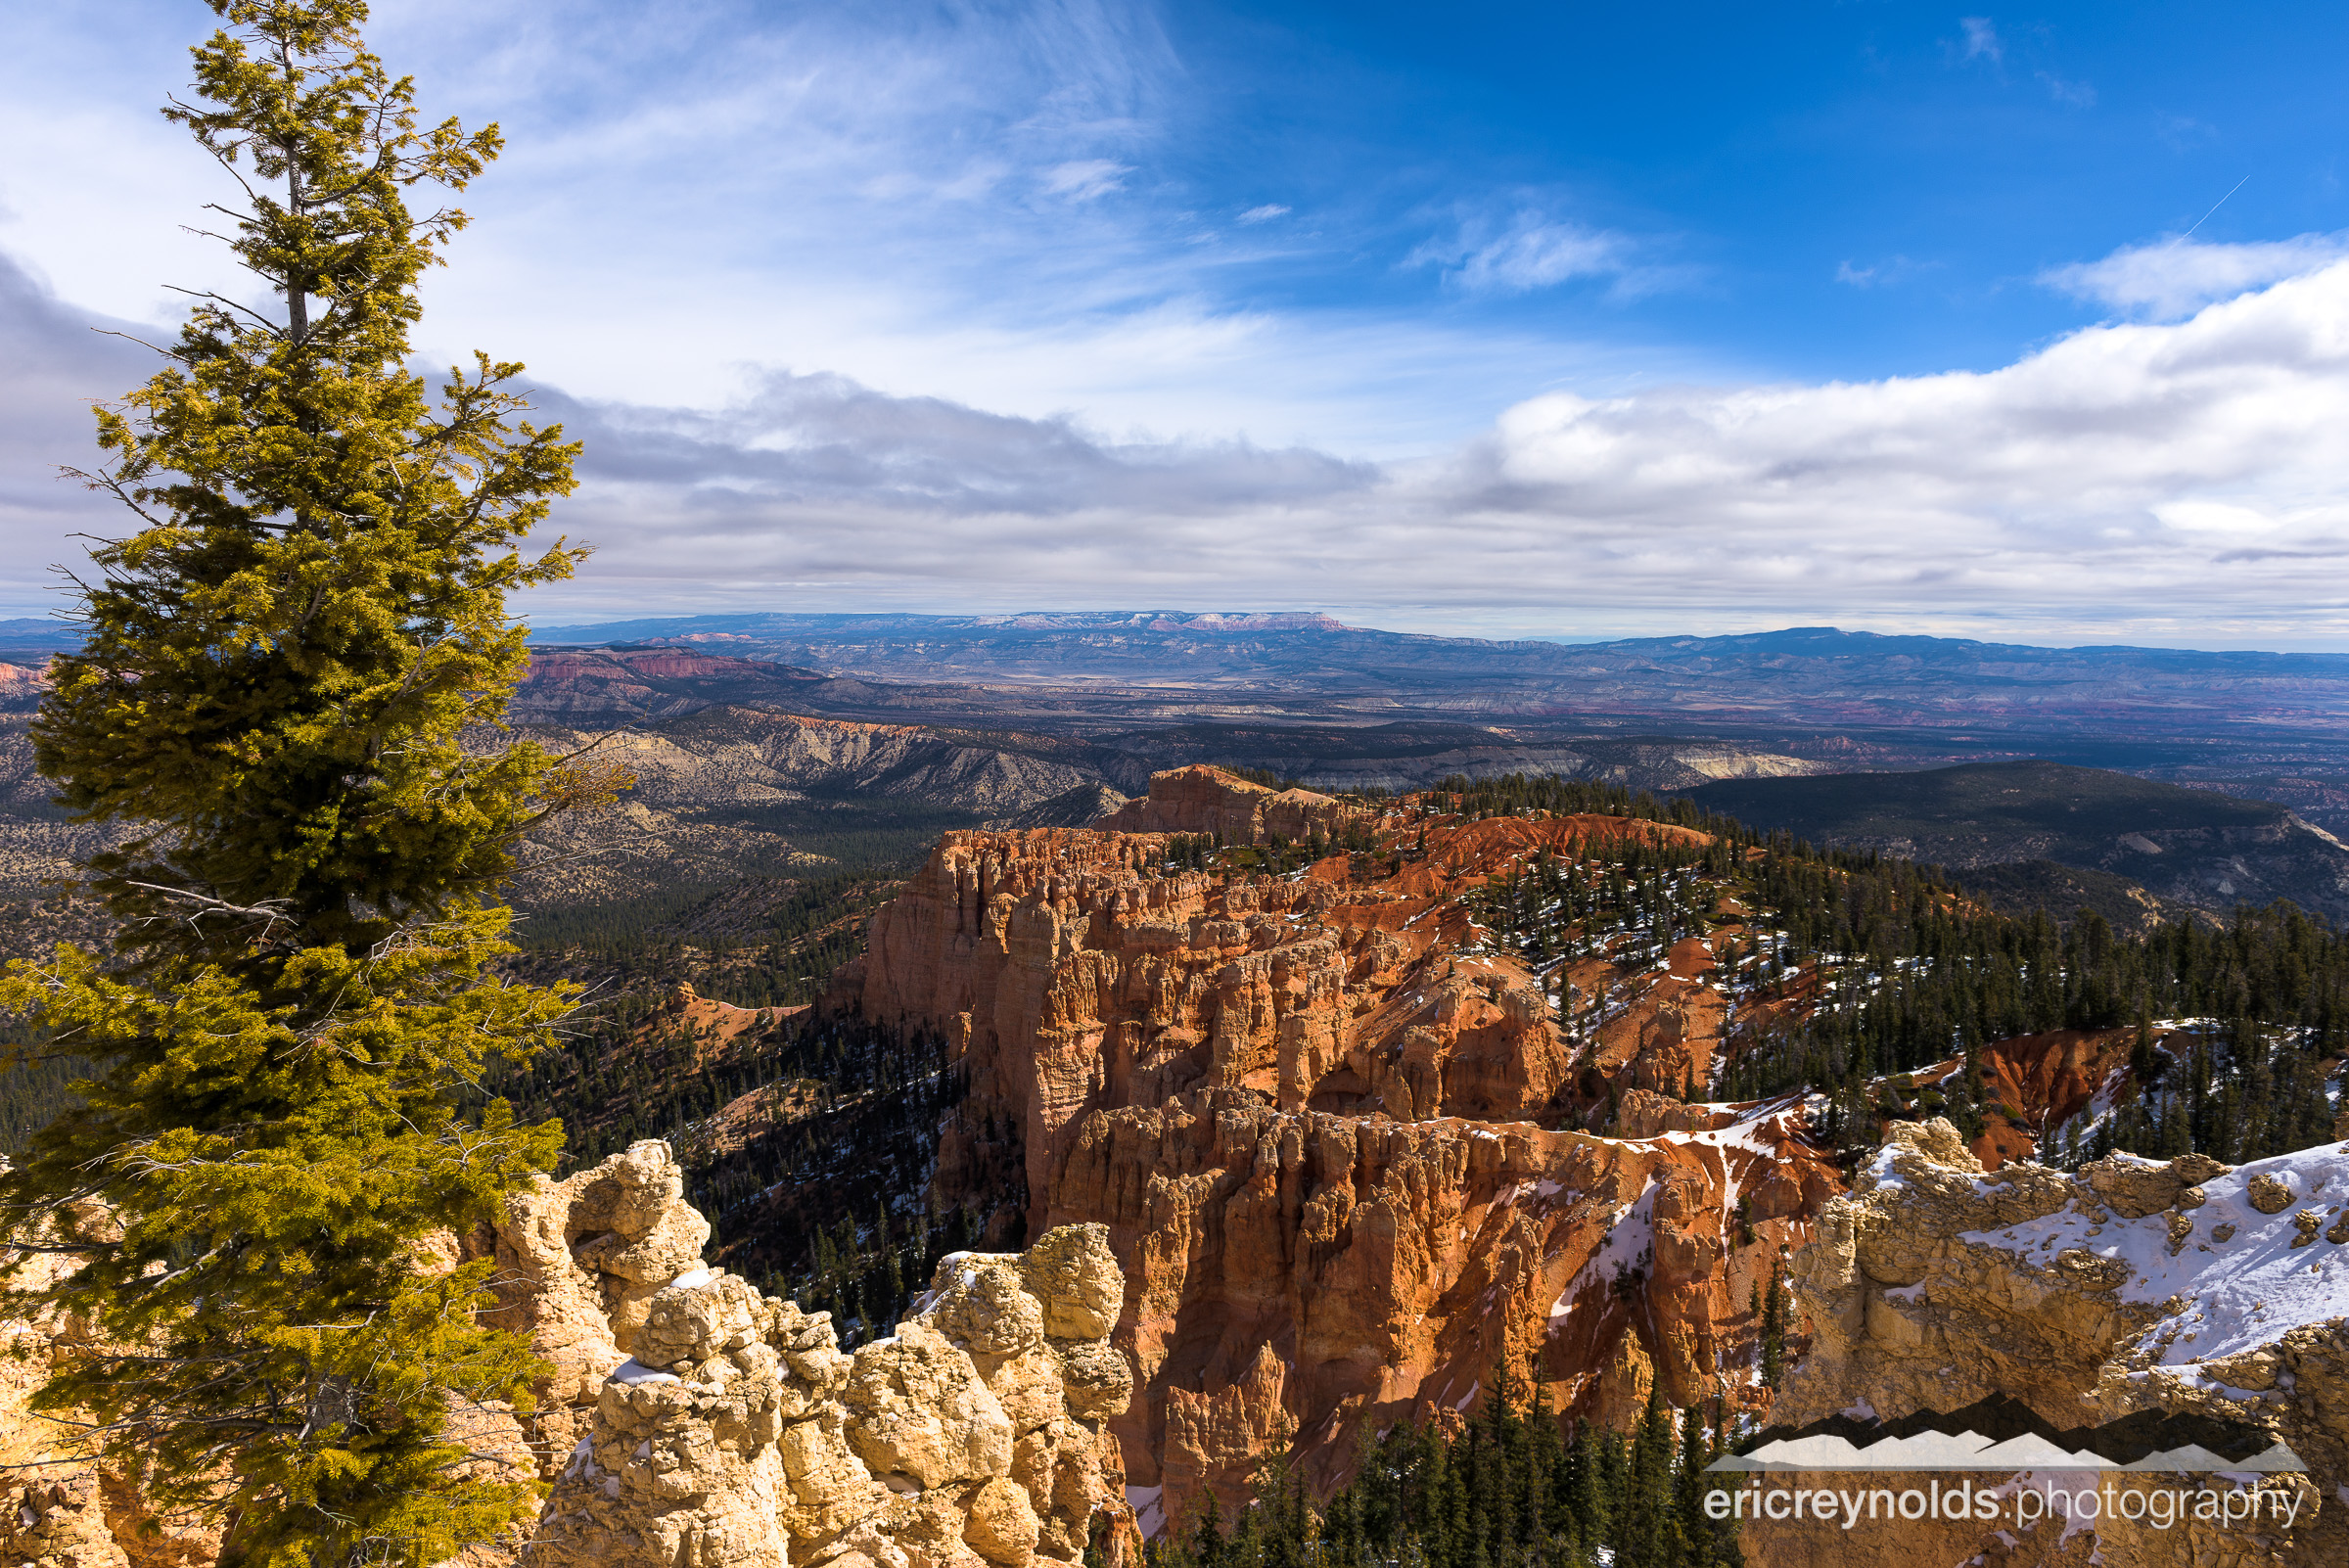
(1001, 1138)
(1247, 1124)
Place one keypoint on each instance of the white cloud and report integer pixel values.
(2163, 483)
(2095, 479)
(1982, 39)
(2178, 277)
(2078, 94)
(2151, 482)
(1526, 252)
(2218, 517)
(1884, 274)
(825, 441)
(2182, 133)
(59, 363)
(1262, 215)
(1085, 178)
(2159, 478)
(893, 193)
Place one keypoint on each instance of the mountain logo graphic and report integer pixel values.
(2004, 1435)
(1971, 1450)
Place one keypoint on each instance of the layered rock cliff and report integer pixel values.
(733, 790)
(1336, 1138)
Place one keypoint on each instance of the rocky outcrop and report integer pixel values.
(1299, 1274)
(58, 1507)
(737, 1432)
(2128, 1287)
(708, 787)
(688, 1420)
(1342, 1148)
(578, 1264)
(1208, 799)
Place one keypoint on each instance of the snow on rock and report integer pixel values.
(630, 1372)
(2131, 1286)
(2264, 1279)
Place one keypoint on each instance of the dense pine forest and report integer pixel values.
(765, 942)
(1504, 1489)
(807, 1143)
(1900, 970)
(813, 1178)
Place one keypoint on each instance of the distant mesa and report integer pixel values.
(1816, 678)
(746, 627)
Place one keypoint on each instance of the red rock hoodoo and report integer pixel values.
(1335, 1134)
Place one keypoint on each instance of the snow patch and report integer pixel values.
(632, 1372)
(1629, 1233)
(2237, 1294)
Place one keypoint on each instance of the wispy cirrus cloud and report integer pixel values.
(2077, 94)
(1883, 274)
(1084, 180)
(1528, 250)
(1982, 40)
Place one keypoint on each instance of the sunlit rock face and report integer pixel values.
(736, 1431)
(688, 1420)
(1332, 1134)
(2129, 1286)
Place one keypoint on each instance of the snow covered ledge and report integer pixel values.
(2132, 1286)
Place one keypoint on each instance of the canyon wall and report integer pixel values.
(1335, 1136)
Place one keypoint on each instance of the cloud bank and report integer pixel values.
(2152, 481)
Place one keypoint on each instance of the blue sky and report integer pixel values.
(1809, 190)
(1560, 320)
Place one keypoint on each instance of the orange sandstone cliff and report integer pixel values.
(1335, 1135)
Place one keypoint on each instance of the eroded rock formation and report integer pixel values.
(737, 1431)
(57, 1510)
(1335, 1137)
(689, 1420)
(2129, 1286)
(1209, 799)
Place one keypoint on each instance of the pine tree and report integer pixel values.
(1774, 1326)
(1542, 1504)
(1207, 1536)
(292, 691)
(1642, 1513)
(1583, 1489)
(1688, 1489)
